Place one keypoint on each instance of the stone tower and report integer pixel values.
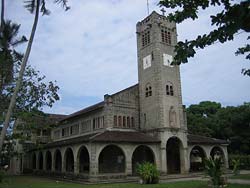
(161, 109)
(159, 81)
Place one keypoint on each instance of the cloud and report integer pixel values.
(91, 50)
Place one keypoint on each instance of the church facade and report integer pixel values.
(145, 122)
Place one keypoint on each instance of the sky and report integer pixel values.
(90, 51)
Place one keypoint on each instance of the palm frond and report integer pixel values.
(30, 5)
(64, 4)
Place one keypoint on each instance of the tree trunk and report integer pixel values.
(20, 76)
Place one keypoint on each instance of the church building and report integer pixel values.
(144, 122)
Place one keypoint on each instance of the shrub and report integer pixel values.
(148, 173)
(213, 169)
(236, 166)
(244, 161)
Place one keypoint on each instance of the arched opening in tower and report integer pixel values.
(173, 155)
(141, 154)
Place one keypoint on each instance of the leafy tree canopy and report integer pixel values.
(233, 123)
(233, 18)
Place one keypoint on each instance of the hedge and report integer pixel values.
(244, 161)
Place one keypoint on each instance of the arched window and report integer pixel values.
(148, 92)
(169, 89)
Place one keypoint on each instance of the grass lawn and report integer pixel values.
(35, 182)
(241, 176)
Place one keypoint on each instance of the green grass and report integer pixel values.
(241, 176)
(36, 182)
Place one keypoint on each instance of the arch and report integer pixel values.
(111, 160)
(40, 160)
(34, 161)
(217, 152)
(173, 149)
(142, 154)
(48, 159)
(58, 160)
(197, 156)
(83, 159)
(69, 160)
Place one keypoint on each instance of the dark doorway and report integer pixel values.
(58, 161)
(48, 160)
(69, 160)
(40, 161)
(197, 157)
(140, 155)
(217, 152)
(34, 161)
(83, 160)
(173, 156)
(111, 160)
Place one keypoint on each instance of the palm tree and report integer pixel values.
(34, 6)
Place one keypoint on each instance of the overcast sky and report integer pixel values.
(91, 51)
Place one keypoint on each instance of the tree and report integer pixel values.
(233, 18)
(34, 6)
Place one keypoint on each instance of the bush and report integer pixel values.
(214, 171)
(244, 161)
(148, 173)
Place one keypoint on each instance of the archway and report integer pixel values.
(40, 160)
(173, 155)
(142, 154)
(111, 160)
(69, 160)
(83, 159)
(58, 161)
(197, 156)
(48, 159)
(34, 161)
(217, 152)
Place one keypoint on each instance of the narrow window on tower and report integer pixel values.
(169, 89)
(148, 92)
(165, 35)
(145, 38)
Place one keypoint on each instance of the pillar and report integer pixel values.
(163, 167)
(184, 160)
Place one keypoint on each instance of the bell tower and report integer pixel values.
(159, 81)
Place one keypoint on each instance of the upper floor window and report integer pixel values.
(74, 129)
(85, 126)
(145, 38)
(98, 122)
(124, 121)
(148, 92)
(170, 89)
(165, 36)
(115, 121)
